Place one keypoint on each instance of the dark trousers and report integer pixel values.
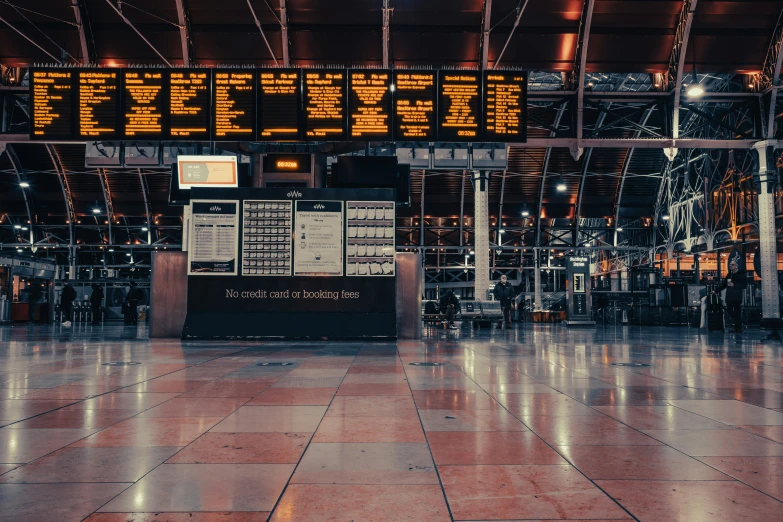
(450, 313)
(96, 313)
(506, 307)
(132, 312)
(67, 309)
(734, 308)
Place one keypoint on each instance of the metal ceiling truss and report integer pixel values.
(284, 33)
(130, 24)
(677, 64)
(20, 177)
(83, 24)
(183, 19)
(520, 11)
(486, 27)
(107, 199)
(770, 75)
(386, 21)
(260, 30)
(544, 169)
(578, 73)
(66, 190)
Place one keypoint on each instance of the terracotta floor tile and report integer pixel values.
(20, 446)
(636, 395)
(718, 443)
(260, 516)
(524, 492)
(294, 396)
(165, 386)
(244, 448)
(490, 447)
(144, 432)
(374, 389)
(526, 388)
(692, 501)
(19, 409)
(637, 462)
(201, 407)
(768, 432)
(376, 503)
(308, 382)
(272, 419)
(542, 404)
(587, 430)
(372, 406)
(660, 418)
(78, 419)
(91, 465)
(69, 391)
(470, 420)
(5, 468)
(454, 400)
(229, 389)
(361, 463)
(733, 412)
(53, 502)
(375, 378)
(369, 429)
(762, 473)
(205, 487)
(124, 401)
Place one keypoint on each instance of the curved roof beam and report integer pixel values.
(287, 44)
(485, 29)
(578, 74)
(544, 169)
(770, 73)
(147, 211)
(19, 170)
(107, 199)
(183, 19)
(60, 171)
(677, 65)
(85, 31)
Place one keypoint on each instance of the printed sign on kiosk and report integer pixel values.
(207, 171)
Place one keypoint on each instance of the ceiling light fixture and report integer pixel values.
(24, 184)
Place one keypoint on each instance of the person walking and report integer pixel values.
(449, 306)
(735, 284)
(67, 297)
(96, 302)
(504, 293)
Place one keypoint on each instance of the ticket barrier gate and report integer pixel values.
(81, 312)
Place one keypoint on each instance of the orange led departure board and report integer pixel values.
(144, 96)
(233, 104)
(51, 103)
(189, 103)
(279, 102)
(459, 107)
(415, 95)
(324, 104)
(505, 103)
(370, 105)
(98, 95)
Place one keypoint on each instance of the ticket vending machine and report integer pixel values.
(289, 171)
(578, 299)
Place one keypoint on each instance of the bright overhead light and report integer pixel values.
(144, 229)
(17, 227)
(24, 184)
(561, 187)
(392, 87)
(695, 90)
(24, 228)
(96, 211)
(502, 231)
(619, 229)
(666, 217)
(127, 255)
(111, 250)
(525, 212)
(19, 250)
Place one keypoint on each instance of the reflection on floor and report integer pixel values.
(534, 423)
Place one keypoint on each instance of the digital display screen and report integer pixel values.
(370, 105)
(144, 98)
(324, 104)
(505, 103)
(51, 104)
(98, 102)
(233, 104)
(459, 108)
(189, 104)
(279, 98)
(415, 105)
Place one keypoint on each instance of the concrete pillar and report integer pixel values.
(537, 281)
(481, 194)
(770, 301)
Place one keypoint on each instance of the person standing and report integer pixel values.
(504, 292)
(735, 284)
(449, 306)
(96, 302)
(132, 304)
(67, 297)
(33, 298)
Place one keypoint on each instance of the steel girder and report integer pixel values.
(66, 190)
(578, 74)
(130, 24)
(386, 21)
(84, 26)
(770, 74)
(107, 199)
(146, 194)
(19, 170)
(544, 169)
(284, 34)
(486, 25)
(510, 34)
(677, 64)
(183, 19)
(261, 30)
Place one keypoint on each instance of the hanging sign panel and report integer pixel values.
(214, 237)
(459, 105)
(98, 102)
(144, 93)
(233, 104)
(318, 238)
(189, 104)
(51, 104)
(415, 105)
(280, 108)
(370, 105)
(505, 103)
(324, 104)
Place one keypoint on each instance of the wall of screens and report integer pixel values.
(246, 104)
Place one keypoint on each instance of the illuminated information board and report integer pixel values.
(279, 101)
(324, 104)
(370, 105)
(233, 104)
(189, 104)
(51, 104)
(98, 102)
(143, 92)
(459, 108)
(505, 102)
(415, 105)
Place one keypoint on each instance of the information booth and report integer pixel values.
(291, 264)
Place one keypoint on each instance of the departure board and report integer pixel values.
(370, 105)
(324, 104)
(280, 108)
(415, 94)
(99, 101)
(51, 104)
(459, 107)
(189, 103)
(233, 104)
(144, 96)
(505, 103)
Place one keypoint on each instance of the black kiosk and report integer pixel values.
(291, 263)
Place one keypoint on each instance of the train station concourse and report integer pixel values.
(391, 260)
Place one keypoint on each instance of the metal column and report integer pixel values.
(481, 226)
(538, 305)
(770, 301)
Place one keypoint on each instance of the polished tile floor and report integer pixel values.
(536, 423)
